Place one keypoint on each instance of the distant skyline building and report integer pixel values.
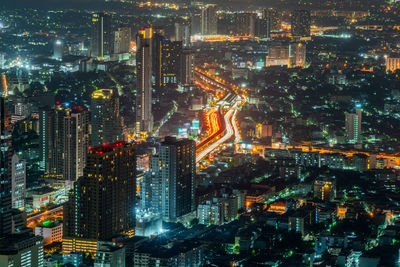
(301, 23)
(122, 40)
(272, 19)
(186, 68)
(58, 49)
(170, 184)
(392, 63)
(353, 126)
(171, 53)
(209, 20)
(292, 55)
(144, 58)
(182, 34)
(18, 178)
(103, 200)
(325, 190)
(105, 117)
(244, 24)
(101, 41)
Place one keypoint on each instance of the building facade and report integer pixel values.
(144, 116)
(103, 200)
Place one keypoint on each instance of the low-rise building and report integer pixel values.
(50, 231)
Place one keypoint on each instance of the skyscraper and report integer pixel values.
(5, 170)
(122, 40)
(353, 126)
(101, 41)
(50, 140)
(165, 60)
(172, 178)
(18, 178)
(144, 116)
(301, 23)
(76, 142)
(157, 57)
(103, 200)
(58, 49)
(186, 68)
(171, 53)
(209, 20)
(105, 117)
(182, 33)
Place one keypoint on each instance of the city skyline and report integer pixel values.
(186, 133)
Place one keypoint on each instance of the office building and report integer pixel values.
(171, 178)
(102, 37)
(105, 117)
(301, 23)
(353, 126)
(102, 203)
(209, 20)
(109, 254)
(76, 142)
(21, 250)
(122, 40)
(18, 181)
(144, 116)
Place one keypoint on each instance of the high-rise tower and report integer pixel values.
(103, 200)
(209, 20)
(102, 37)
(5, 170)
(172, 178)
(144, 116)
(105, 117)
(76, 142)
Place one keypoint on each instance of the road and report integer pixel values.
(229, 96)
(230, 123)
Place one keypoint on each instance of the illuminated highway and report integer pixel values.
(229, 119)
(228, 96)
(236, 129)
